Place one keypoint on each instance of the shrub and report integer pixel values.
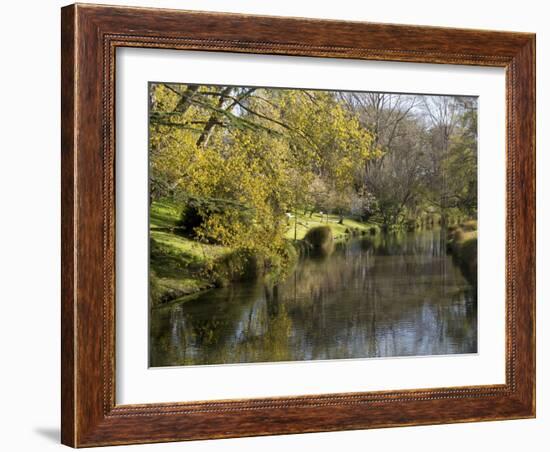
(467, 258)
(197, 211)
(191, 218)
(470, 225)
(320, 240)
(463, 247)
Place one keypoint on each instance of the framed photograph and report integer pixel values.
(280, 225)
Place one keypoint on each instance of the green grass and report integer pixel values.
(190, 250)
(174, 256)
(305, 223)
(177, 263)
(164, 214)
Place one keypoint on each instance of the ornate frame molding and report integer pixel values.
(90, 37)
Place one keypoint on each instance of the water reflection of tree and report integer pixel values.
(394, 295)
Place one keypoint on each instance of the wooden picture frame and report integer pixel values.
(90, 36)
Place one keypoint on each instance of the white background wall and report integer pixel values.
(29, 226)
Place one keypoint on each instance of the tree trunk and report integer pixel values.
(185, 101)
(214, 118)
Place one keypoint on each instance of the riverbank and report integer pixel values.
(299, 225)
(362, 301)
(179, 266)
(462, 245)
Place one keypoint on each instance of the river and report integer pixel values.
(395, 294)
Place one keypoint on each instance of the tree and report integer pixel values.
(392, 178)
(451, 158)
(253, 150)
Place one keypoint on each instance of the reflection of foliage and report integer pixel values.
(390, 295)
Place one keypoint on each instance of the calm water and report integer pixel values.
(391, 295)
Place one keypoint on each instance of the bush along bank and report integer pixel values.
(187, 279)
(181, 266)
(319, 241)
(462, 245)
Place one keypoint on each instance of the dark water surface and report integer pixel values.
(389, 295)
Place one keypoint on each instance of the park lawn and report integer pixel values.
(164, 216)
(305, 223)
(193, 252)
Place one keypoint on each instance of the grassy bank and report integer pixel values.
(462, 245)
(339, 231)
(181, 267)
(176, 263)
